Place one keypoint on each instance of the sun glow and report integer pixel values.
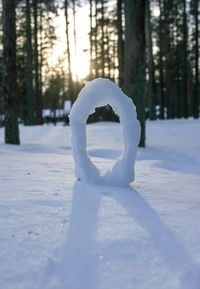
(156, 11)
(80, 55)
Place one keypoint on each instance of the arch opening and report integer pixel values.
(104, 142)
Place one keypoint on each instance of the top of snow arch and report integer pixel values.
(96, 93)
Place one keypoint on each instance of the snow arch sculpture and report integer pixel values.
(97, 93)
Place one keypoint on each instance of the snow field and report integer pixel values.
(57, 233)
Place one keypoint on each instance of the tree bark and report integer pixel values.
(9, 72)
(134, 66)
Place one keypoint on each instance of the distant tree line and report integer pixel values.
(149, 47)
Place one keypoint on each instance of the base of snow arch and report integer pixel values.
(100, 92)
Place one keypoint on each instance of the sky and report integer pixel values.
(79, 58)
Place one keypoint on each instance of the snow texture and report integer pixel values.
(57, 233)
(97, 93)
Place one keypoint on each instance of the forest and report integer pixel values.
(150, 48)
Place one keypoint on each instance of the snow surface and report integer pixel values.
(97, 93)
(56, 233)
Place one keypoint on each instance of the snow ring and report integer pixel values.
(97, 93)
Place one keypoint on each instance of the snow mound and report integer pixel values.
(97, 93)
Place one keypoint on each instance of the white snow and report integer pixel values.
(57, 233)
(97, 93)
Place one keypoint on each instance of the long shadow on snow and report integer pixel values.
(38, 148)
(78, 266)
(170, 160)
(165, 159)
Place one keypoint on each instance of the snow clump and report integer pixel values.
(100, 92)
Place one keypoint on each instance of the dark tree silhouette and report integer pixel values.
(9, 72)
(134, 66)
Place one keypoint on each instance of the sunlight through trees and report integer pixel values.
(72, 41)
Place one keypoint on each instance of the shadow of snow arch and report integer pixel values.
(100, 256)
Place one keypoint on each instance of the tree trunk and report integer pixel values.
(185, 66)
(74, 25)
(152, 83)
(179, 103)
(9, 72)
(168, 60)
(161, 78)
(74, 33)
(120, 44)
(38, 95)
(95, 43)
(71, 89)
(196, 87)
(102, 40)
(29, 51)
(91, 38)
(41, 52)
(134, 66)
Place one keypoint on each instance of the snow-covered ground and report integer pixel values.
(56, 233)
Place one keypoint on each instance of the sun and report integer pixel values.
(80, 56)
(156, 11)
